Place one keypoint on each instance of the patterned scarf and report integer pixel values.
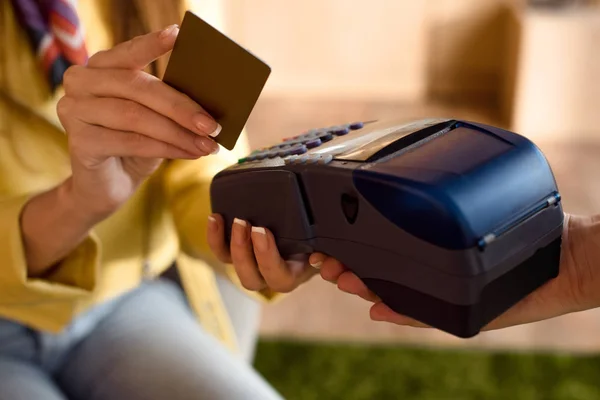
(55, 34)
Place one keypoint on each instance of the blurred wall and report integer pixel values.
(469, 48)
(336, 48)
(212, 11)
(557, 93)
(386, 49)
(538, 70)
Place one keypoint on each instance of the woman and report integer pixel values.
(108, 287)
(104, 177)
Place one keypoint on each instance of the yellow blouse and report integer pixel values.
(165, 221)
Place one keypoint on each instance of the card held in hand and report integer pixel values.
(218, 74)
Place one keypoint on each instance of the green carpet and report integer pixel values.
(302, 371)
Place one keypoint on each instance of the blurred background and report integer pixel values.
(529, 66)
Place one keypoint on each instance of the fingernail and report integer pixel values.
(206, 125)
(316, 262)
(240, 222)
(217, 130)
(212, 223)
(168, 31)
(260, 240)
(240, 236)
(206, 145)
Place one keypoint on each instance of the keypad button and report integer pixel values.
(273, 153)
(309, 139)
(340, 130)
(285, 152)
(325, 136)
(308, 135)
(302, 159)
(242, 160)
(262, 155)
(290, 159)
(311, 144)
(298, 149)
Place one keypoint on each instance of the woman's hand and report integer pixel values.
(577, 287)
(256, 258)
(121, 123)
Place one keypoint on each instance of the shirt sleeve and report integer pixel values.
(70, 280)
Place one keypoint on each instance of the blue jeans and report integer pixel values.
(144, 345)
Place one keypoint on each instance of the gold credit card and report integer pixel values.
(218, 74)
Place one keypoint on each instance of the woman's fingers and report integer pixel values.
(138, 52)
(330, 268)
(118, 114)
(216, 238)
(381, 312)
(255, 257)
(144, 89)
(280, 275)
(113, 92)
(92, 144)
(333, 271)
(243, 258)
(350, 283)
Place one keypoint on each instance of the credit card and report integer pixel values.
(218, 74)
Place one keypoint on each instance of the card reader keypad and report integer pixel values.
(294, 147)
(309, 159)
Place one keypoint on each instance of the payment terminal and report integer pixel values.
(449, 222)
